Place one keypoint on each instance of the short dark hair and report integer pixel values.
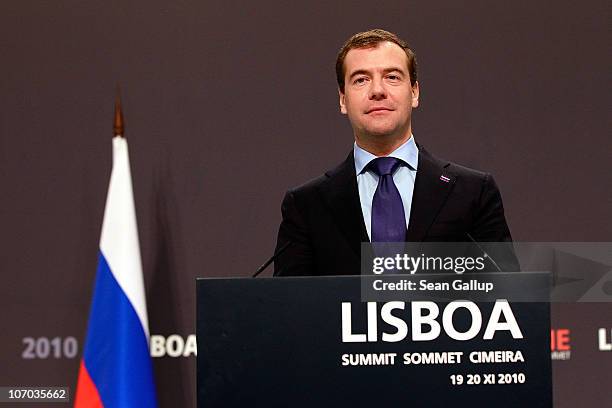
(372, 38)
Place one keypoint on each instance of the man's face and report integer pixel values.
(378, 96)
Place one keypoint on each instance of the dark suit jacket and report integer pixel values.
(323, 220)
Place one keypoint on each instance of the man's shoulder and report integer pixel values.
(309, 186)
(458, 170)
(467, 172)
(344, 170)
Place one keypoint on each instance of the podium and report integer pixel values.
(315, 342)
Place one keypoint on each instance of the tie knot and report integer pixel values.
(384, 166)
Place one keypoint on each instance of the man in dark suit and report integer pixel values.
(389, 188)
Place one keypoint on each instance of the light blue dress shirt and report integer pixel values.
(404, 177)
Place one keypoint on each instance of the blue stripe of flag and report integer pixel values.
(116, 351)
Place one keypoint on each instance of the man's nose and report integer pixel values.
(377, 90)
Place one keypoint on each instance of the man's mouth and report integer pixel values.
(378, 109)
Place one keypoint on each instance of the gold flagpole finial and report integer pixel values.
(118, 127)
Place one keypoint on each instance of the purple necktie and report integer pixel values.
(388, 218)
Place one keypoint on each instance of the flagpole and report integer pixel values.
(118, 127)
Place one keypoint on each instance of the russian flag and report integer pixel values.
(116, 369)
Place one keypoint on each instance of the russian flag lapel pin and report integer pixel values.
(444, 178)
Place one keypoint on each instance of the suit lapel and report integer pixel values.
(341, 195)
(432, 186)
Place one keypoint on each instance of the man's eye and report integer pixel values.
(360, 80)
(393, 77)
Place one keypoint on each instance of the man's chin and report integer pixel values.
(380, 133)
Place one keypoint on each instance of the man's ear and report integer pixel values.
(415, 94)
(342, 101)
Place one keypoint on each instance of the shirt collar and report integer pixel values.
(407, 152)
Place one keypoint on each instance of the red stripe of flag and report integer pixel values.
(87, 395)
